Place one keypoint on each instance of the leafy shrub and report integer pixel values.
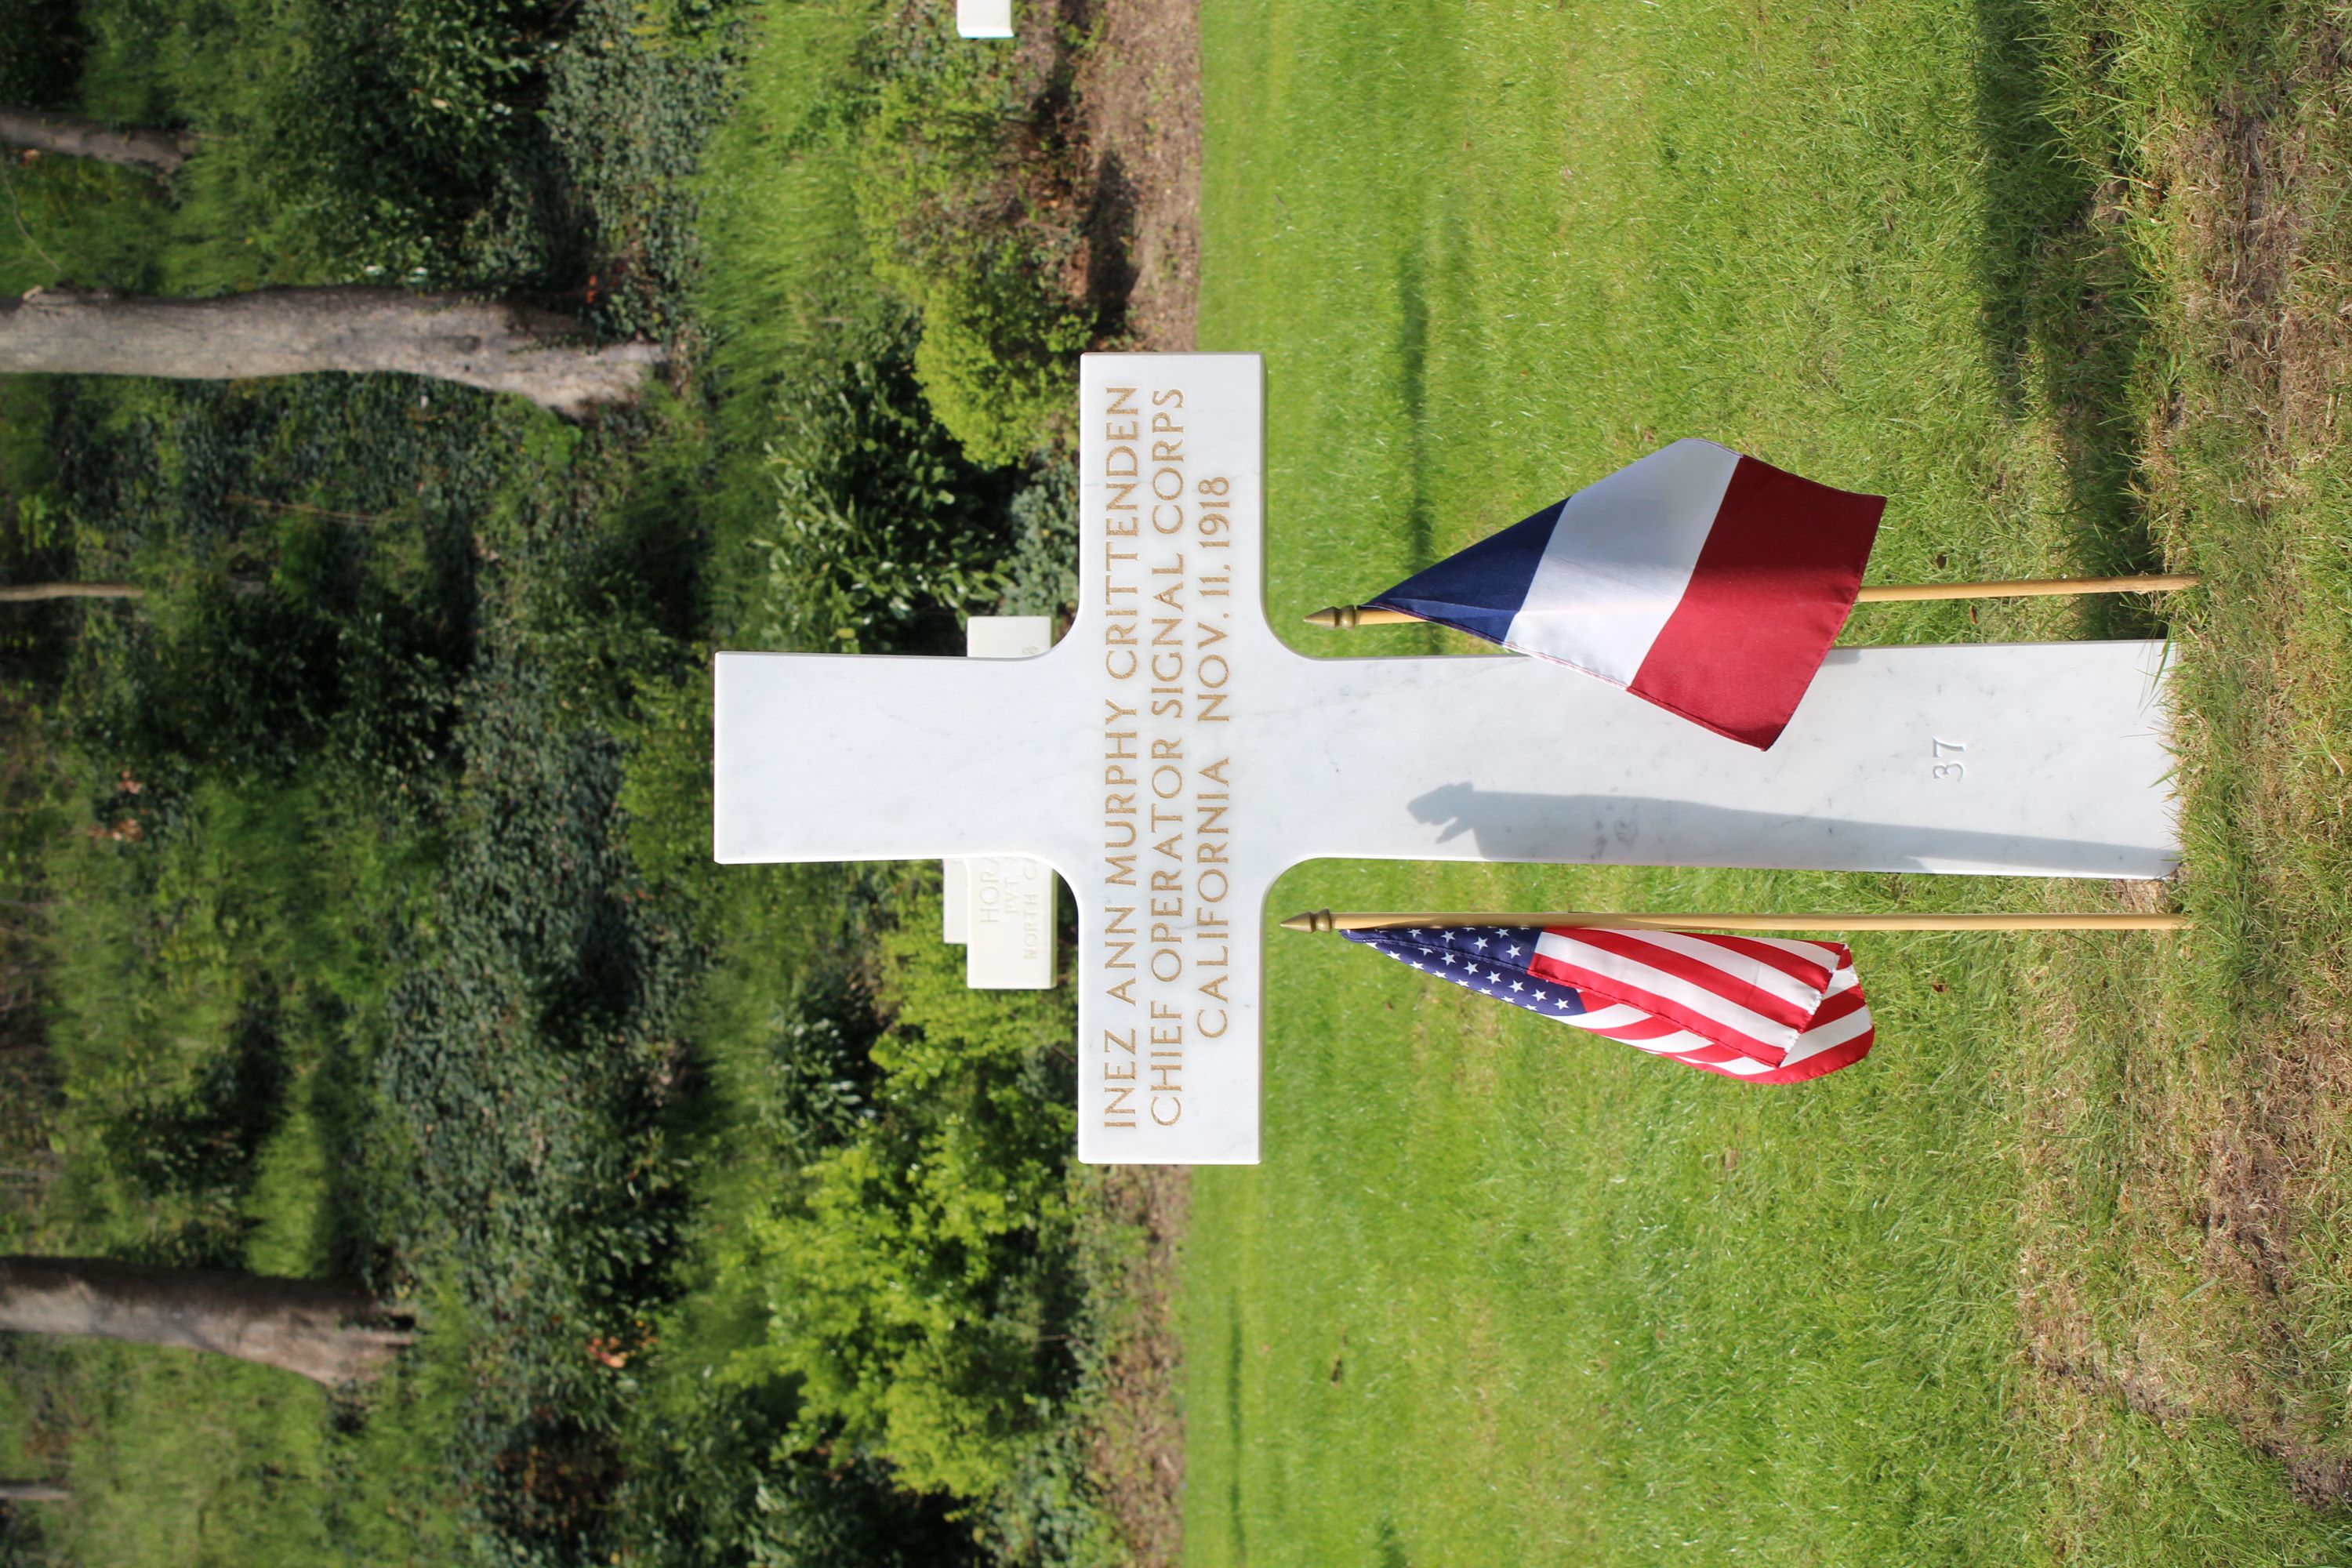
(712, 1488)
(307, 548)
(539, 145)
(630, 96)
(193, 1153)
(1041, 577)
(883, 530)
(403, 121)
(966, 195)
(666, 793)
(44, 42)
(916, 1275)
(996, 355)
(525, 1056)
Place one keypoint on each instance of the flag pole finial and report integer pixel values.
(1313, 920)
(1348, 617)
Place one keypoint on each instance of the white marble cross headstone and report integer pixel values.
(1171, 757)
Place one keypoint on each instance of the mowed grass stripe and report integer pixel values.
(1502, 1294)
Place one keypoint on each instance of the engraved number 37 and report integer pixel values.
(1948, 769)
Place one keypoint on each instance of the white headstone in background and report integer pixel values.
(1010, 905)
(984, 18)
(955, 902)
(1002, 905)
(1007, 636)
(1171, 757)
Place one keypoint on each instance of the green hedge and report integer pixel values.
(966, 194)
(917, 1274)
(886, 534)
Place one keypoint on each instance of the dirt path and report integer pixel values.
(1136, 1452)
(1138, 92)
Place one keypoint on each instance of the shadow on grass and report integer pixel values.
(2066, 307)
(194, 1154)
(1233, 1428)
(1435, 258)
(1109, 229)
(1413, 386)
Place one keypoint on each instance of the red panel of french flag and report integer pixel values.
(1703, 580)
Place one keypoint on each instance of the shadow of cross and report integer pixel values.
(1171, 758)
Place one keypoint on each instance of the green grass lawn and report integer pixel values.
(2058, 1273)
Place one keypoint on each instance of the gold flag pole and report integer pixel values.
(2024, 588)
(1347, 617)
(1325, 920)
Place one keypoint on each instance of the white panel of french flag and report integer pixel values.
(1703, 580)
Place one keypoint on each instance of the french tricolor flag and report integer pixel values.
(1703, 580)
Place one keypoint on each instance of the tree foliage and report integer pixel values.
(967, 194)
(918, 1265)
(380, 935)
(885, 531)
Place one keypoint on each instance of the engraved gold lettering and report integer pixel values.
(1168, 827)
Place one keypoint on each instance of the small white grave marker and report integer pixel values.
(1002, 905)
(1010, 920)
(1171, 758)
(984, 18)
(1007, 636)
(955, 902)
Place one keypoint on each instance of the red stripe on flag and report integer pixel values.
(1774, 583)
(1786, 957)
(1843, 1005)
(1820, 1062)
(1636, 947)
(1649, 1028)
(1713, 1056)
(1614, 989)
(1828, 1061)
(1804, 1060)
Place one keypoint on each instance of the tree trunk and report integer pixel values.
(288, 331)
(31, 593)
(328, 1333)
(33, 1491)
(71, 136)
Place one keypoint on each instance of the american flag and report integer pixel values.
(1759, 1009)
